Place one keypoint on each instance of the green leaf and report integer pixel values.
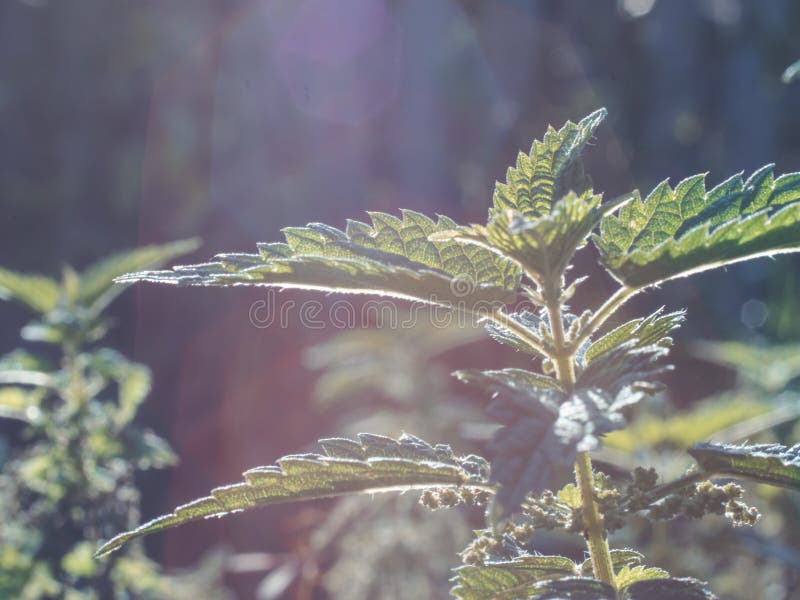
(541, 434)
(791, 73)
(544, 245)
(619, 560)
(509, 380)
(548, 171)
(628, 575)
(508, 580)
(768, 463)
(653, 330)
(96, 283)
(391, 257)
(570, 495)
(686, 230)
(34, 291)
(370, 465)
(673, 588)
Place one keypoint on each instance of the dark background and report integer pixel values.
(125, 123)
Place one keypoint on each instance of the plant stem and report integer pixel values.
(596, 541)
(564, 362)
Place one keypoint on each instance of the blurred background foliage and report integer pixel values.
(67, 481)
(127, 124)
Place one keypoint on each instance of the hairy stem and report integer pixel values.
(564, 361)
(599, 551)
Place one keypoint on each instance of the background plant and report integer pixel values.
(69, 472)
(544, 212)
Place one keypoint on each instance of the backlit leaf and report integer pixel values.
(390, 256)
(370, 465)
(548, 171)
(544, 245)
(508, 580)
(684, 230)
(768, 463)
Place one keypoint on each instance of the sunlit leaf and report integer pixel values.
(508, 580)
(629, 575)
(391, 257)
(768, 463)
(548, 171)
(652, 330)
(372, 464)
(684, 230)
(619, 560)
(544, 245)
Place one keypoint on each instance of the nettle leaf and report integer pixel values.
(628, 575)
(542, 434)
(619, 560)
(370, 465)
(768, 463)
(34, 291)
(548, 171)
(684, 230)
(544, 427)
(508, 580)
(390, 256)
(543, 245)
(672, 588)
(517, 381)
(653, 330)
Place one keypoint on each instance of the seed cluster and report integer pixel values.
(438, 498)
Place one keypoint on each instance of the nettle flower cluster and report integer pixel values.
(552, 418)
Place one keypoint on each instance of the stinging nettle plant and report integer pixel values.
(553, 418)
